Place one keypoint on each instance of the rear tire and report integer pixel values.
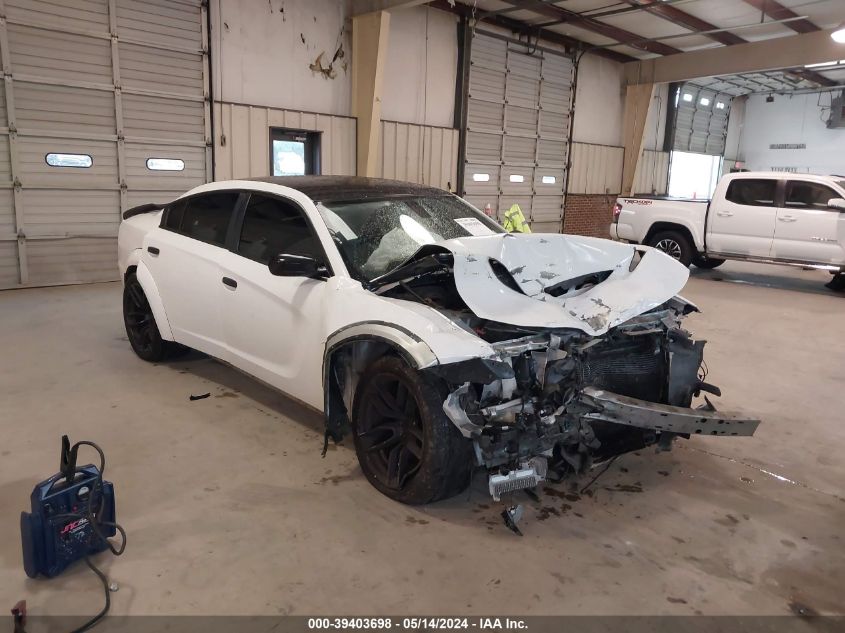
(407, 447)
(675, 244)
(141, 328)
(707, 263)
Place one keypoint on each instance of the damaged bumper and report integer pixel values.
(563, 401)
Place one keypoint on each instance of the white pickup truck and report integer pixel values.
(778, 218)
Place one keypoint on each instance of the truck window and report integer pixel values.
(808, 195)
(753, 192)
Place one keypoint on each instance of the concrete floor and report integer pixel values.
(230, 509)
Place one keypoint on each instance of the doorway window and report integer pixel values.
(294, 152)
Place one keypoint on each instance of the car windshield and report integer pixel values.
(374, 236)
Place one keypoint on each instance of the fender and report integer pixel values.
(151, 290)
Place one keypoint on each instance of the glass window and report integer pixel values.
(165, 164)
(173, 215)
(69, 160)
(273, 226)
(808, 195)
(205, 217)
(752, 192)
(374, 236)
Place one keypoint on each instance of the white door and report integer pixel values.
(273, 326)
(743, 223)
(807, 229)
(184, 258)
(104, 107)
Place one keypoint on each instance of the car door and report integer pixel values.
(743, 222)
(807, 229)
(273, 326)
(183, 255)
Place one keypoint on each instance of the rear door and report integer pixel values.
(273, 326)
(743, 222)
(807, 229)
(184, 256)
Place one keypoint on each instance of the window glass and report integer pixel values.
(752, 192)
(69, 160)
(272, 226)
(165, 164)
(808, 195)
(173, 215)
(206, 216)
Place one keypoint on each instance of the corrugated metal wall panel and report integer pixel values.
(78, 89)
(652, 175)
(417, 153)
(242, 139)
(517, 129)
(596, 169)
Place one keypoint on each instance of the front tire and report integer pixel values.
(707, 263)
(407, 447)
(141, 328)
(674, 244)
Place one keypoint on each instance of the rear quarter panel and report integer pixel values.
(639, 215)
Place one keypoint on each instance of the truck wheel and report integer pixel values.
(707, 263)
(407, 447)
(674, 244)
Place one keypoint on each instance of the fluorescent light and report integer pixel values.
(839, 34)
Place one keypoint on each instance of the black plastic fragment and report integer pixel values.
(202, 396)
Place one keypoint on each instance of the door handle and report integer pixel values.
(787, 218)
(153, 249)
(228, 281)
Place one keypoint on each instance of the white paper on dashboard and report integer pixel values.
(474, 226)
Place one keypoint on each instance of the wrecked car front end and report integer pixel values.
(589, 357)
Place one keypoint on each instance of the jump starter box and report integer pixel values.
(58, 532)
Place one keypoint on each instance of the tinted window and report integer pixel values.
(272, 226)
(808, 195)
(752, 192)
(204, 217)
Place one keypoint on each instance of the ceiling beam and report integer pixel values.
(773, 54)
(686, 20)
(813, 76)
(602, 28)
(360, 7)
(515, 26)
(777, 11)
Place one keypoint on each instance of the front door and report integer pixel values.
(807, 229)
(183, 256)
(743, 223)
(274, 326)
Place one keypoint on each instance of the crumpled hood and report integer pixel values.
(540, 262)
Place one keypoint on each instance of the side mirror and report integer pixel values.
(836, 203)
(286, 265)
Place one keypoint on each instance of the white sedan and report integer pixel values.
(416, 324)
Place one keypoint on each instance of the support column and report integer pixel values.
(369, 53)
(637, 102)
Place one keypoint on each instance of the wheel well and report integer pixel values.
(129, 271)
(342, 369)
(658, 227)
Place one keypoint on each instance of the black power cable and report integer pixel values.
(95, 523)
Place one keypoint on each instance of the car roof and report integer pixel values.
(349, 188)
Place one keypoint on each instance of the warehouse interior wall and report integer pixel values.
(599, 102)
(291, 55)
(793, 120)
(422, 60)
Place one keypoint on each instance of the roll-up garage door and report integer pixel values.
(104, 107)
(701, 120)
(517, 130)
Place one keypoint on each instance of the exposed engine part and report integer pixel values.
(529, 475)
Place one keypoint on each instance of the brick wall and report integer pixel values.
(589, 214)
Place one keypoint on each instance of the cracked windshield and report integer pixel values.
(376, 236)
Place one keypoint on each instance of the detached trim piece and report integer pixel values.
(611, 407)
(143, 208)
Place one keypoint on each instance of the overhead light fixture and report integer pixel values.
(838, 34)
(770, 99)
